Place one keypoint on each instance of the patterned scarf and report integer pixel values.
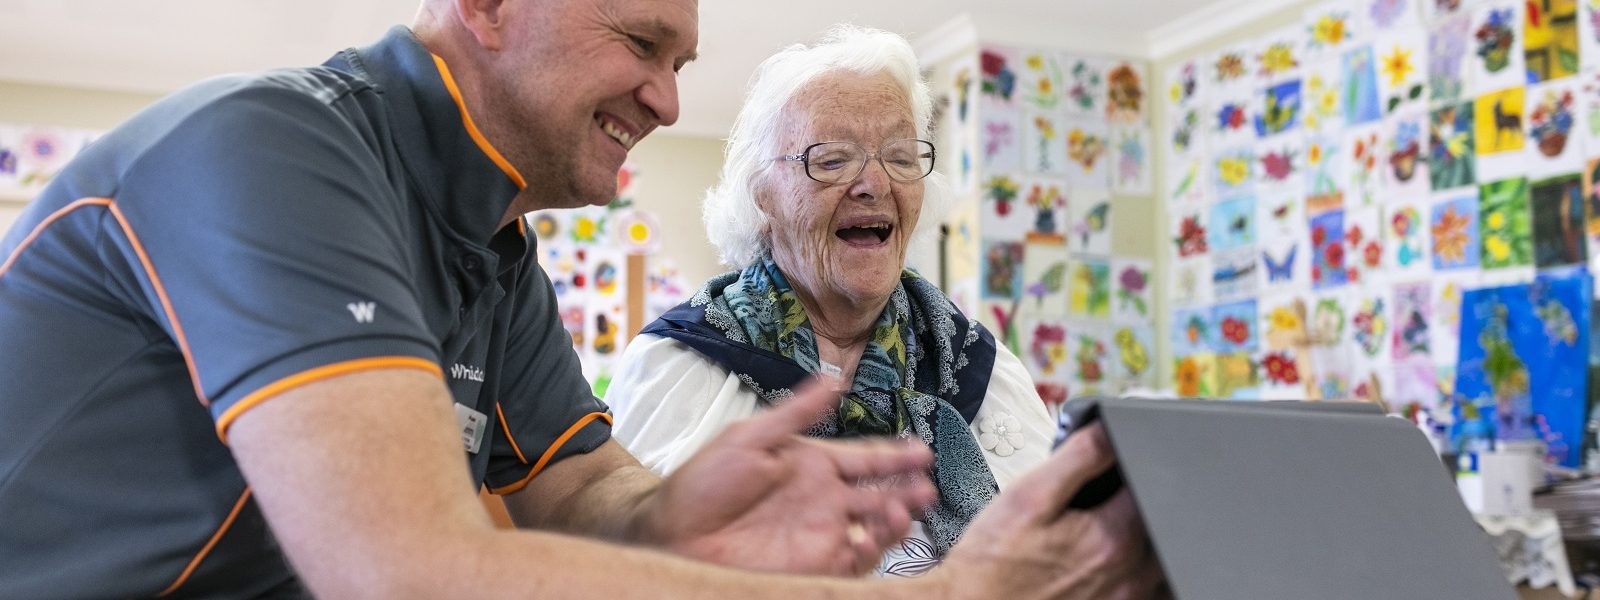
(924, 373)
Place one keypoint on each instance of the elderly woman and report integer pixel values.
(827, 176)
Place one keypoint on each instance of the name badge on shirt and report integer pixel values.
(472, 424)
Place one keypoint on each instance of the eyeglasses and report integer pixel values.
(838, 162)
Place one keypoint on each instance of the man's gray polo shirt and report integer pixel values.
(239, 238)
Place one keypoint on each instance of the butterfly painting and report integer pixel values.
(1280, 271)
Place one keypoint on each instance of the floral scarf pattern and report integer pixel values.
(924, 373)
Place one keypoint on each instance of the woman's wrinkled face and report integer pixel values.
(846, 241)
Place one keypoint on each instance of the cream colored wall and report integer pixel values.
(674, 171)
(1284, 17)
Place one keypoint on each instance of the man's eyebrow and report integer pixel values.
(655, 27)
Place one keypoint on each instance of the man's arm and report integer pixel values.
(361, 479)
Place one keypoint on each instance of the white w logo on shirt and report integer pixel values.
(363, 311)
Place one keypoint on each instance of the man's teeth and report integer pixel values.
(622, 137)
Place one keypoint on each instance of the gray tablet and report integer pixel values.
(1310, 500)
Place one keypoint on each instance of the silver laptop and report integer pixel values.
(1308, 500)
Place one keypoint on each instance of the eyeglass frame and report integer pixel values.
(805, 161)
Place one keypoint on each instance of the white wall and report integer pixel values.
(674, 172)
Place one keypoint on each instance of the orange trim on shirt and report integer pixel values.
(62, 212)
(509, 437)
(551, 452)
(166, 303)
(204, 550)
(280, 386)
(472, 128)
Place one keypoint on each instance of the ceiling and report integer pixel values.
(156, 46)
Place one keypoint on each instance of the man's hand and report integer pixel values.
(760, 496)
(1028, 544)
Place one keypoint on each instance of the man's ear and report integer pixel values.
(484, 19)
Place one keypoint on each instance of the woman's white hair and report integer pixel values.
(734, 223)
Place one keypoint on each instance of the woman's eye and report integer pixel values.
(831, 163)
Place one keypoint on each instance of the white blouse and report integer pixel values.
(668, 400)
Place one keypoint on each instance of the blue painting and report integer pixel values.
(1191, 331)
(1280, 109)
(1359, 97)
(1453, 230)
(1523, 366)
(1236, 326)
(1327, 251)
(1233, 224)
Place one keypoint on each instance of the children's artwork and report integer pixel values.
(1000, 136)
(1415, 386)
(1045, 350)
(1231, 122)
(1524, 365)
(1383, 16)
(1558, 228)
(1183, 83)
(1284, 264)
(1360, 99)
(1233, 223)
(1135, 355)
(1413, 303)
(1434, 10)
(588, 228)
(1042, 149)
(1132, 161)
(1044, 274)
(1327, 250)
(1088, 149)
(1550, 39)
(1234, 171)
(1552, 139)
(1233, 274)
(1588, 128)
(1002, 270)
(1445, 327)
(1280, 216)
(1284, 360)
(1190, 281)
(1133, 301)
(1238, 377)
(1002, 213)
(1091, 358)
(1090, 227)
(1183, 130)
(1278, 58)
(1448, 43)
(1454, 232)
(1090, 288)
(1505, 223)
(1190, 237)
(1372, 381)
(1189, 179)
(1364, 243)
(1229, 68)
(1496, 59)
(1589, 34)
(1498, 133)
(1041, 81)
(999, 81)
(1331, 28)
(1405, 159)
(1086, 86)
(1591, 195)
(1192, 331)
(1327, 174)
(1369, 325)
(1278, 110)
(1367, 154)
(1047, 203)
(1323, 89)
(1280, 164)
(1401, 76)
(1452, 154)
(1236, 326)
(1406, 229)
(1125, 83)
(1195, 376)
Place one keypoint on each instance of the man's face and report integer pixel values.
(579, 82)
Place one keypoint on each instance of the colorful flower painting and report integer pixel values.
(1047, 352)
(1184, 129)
(1359, 101)
(1369, 326)
(1042, 149)
(1454, 231)
(1002, 270)
(1325, 174)
(1363, 236)
(1042, 82)
(1191, 239)
(1085, 86)
(1280, 109)
(1087, 147)
(1234, 171)
(1279, 164)
(1506, 224)
(999, 134)
(1280, 57)
(1125, 93)
(1407, 236)
(1281, 368)
(1558, 229)
(1184, 83)
(1401, 77)
(1228, 67)
(1447, 50)
(1328, 247)
(1496, 40)
(1238, 377)
(1367, 163)
(1550, 39)
(1406, 157)
(1236, 326)
(1412, 305)
(1451, 151)
(1232, 118)
(1551, 119)
(999, 81)
(1324, 109)
(1330, 27)
(1495, 59)
(1131, 158)
(1134, 298)
(1192, 331)
(1090, 288)
(1089, 359)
